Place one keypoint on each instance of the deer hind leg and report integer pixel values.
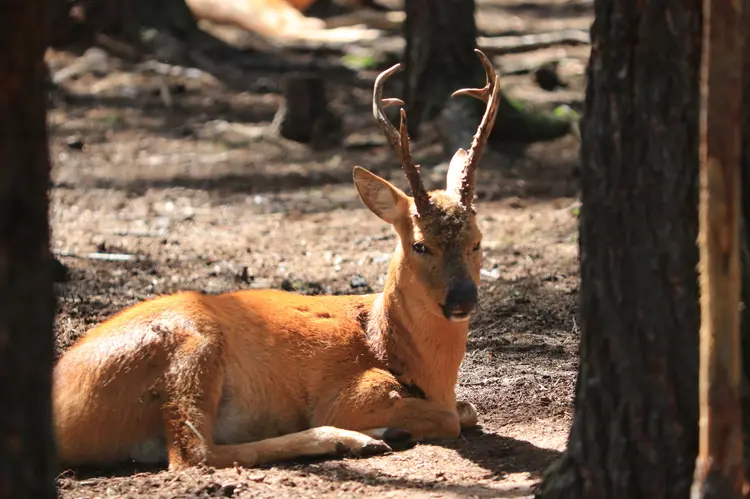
(195, 386)
(316, 442)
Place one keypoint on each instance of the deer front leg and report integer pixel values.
(377, 404)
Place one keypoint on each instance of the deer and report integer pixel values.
(257, 376)
(273, 18)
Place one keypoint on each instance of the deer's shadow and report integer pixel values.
(498, 455)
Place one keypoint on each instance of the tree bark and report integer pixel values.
(634, 432)
(27, 467)
(439, 59)
(718, 469)
(745, 250)
(304, 115)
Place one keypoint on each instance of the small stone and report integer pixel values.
(358, 282)
(228, 490)
(75, 142)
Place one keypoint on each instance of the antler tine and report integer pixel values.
(379, 104)
(399, 139)
(488, 95)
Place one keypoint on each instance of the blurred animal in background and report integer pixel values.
(283, 18)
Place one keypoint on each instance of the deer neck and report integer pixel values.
(422, 349)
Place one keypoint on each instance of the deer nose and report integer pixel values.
(461, 300)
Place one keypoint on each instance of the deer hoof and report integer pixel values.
(467, 414)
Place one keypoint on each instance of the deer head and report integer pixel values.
(439, 247)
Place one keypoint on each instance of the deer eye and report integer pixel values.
(419, 248)
(477, 246)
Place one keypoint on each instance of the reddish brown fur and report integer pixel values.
(287, 362)
(269, 18)
(257, 376)
(264, 17)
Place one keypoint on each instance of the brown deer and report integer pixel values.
(271, 18)
(257, 376)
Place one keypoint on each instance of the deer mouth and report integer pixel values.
(457, 314)
(460, 317)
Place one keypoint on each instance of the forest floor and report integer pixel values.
(204, 198)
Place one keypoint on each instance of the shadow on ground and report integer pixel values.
(498, 455)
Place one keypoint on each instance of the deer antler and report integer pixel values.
(399, 139)
(488, 95)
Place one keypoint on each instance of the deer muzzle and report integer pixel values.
(461, 299)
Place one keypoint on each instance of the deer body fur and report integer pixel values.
(258, 376)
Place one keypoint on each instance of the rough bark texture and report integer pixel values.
(439, 59)
(26, 300)
(634, 432)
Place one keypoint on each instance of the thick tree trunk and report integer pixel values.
(634, 432)
(27, 466)
(439, 59)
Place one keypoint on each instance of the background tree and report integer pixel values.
(439, 58)
(26, 298)
(634, 430)
(745, 248)
(718, 468)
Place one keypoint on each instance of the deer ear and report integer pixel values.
(456, 172)
(382, 198)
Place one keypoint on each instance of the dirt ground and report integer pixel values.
(203, 197)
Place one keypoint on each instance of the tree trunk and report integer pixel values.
(634, 432)
(439, 59)
(27, 305)
(718, 469)
(745, 250)
(304, 115)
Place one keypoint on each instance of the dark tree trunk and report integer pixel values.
(634, 432)
(439, 59)
(745, 250)
(27, 467)
(304, 115)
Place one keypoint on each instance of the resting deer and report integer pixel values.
(269, 18)
(257, 376)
